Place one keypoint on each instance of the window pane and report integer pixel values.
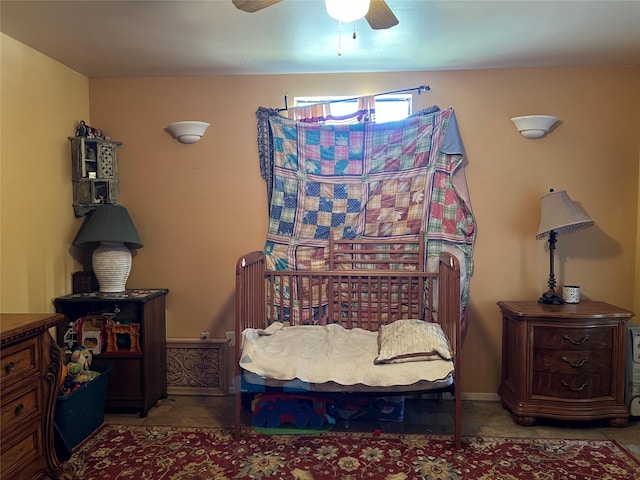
(392, 107)
(388, 107)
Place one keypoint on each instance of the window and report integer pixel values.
(389, 107)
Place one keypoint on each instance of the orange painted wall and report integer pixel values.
(199, 207)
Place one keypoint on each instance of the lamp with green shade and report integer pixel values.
(111, 230)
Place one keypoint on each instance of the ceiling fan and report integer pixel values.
(379, 16)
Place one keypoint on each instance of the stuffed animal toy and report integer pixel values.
(83, 377)
(82, 356)
(70, 384)
(78, 370)
(73, 369)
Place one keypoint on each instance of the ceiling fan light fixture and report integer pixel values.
(347, 10)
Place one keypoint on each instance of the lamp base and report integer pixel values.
(111, 264)
(551, 297)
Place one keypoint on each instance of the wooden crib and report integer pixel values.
(361, 289)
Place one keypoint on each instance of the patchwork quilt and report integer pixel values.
(374, 180)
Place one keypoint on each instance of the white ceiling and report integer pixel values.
(211, 37)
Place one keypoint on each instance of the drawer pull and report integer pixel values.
(9, 368)
(573, 364)
(574, 389)
(584, 339)
(19, 409)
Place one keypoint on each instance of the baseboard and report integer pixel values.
(468, 396)
(197, 367)
(481, 397)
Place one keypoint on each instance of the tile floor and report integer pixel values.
(479, 418)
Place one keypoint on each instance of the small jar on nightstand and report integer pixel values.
(564, 362)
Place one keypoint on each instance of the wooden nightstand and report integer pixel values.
(563, 361)
(138, 378)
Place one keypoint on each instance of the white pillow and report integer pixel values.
(411, 341)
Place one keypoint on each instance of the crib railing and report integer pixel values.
(363, 299)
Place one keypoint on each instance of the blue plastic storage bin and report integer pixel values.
(82, 411)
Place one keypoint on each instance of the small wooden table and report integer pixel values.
(563, 361)
(138, 378)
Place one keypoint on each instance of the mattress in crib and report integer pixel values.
(333, 358)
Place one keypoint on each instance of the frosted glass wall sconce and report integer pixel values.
(534, 126)
(188, 131)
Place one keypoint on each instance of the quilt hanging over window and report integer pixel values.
(369, 180)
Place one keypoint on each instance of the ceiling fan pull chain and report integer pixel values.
(339, 38)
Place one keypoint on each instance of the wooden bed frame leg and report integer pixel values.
(458, 421)
(237, 408)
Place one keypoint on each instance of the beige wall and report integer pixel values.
(41, 102)
(199, 207)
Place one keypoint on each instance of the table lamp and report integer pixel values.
(559, 215)
(110, 228)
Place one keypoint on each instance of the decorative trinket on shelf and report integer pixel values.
(84, 130)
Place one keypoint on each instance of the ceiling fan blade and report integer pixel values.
(253, 5)
(380, 15)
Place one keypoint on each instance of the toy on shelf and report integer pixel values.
(89, 331)
(71, 337)
(93, 334)
(129, 331)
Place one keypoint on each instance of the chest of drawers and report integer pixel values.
(563, 361)
(29, 378)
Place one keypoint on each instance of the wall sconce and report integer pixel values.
(534, 126)
(188, 131)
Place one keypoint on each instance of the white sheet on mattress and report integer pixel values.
(331, 353)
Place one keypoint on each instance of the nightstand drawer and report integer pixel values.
(20, 361)
(571, 386)
(573, 362)
(564, 338)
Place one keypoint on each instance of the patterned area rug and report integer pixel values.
(147, 452)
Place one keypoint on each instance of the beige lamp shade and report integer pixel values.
(561, 214)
